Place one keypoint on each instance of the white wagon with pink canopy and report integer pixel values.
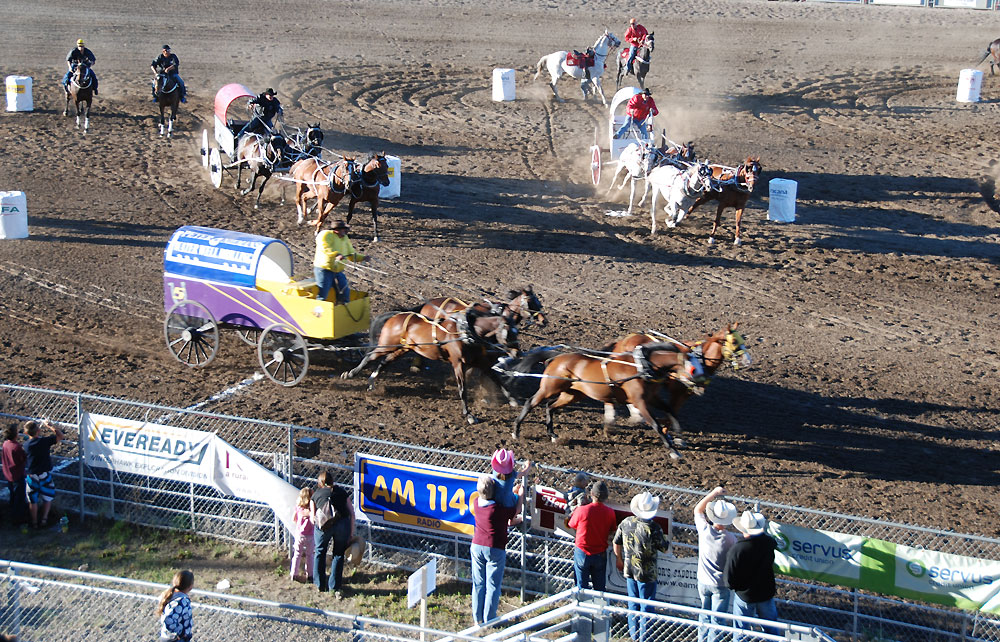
(227, 126)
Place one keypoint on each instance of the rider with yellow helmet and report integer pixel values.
(80, 55)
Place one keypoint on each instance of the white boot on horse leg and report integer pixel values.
(170, 128)
(634, 418)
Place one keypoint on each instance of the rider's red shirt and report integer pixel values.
(636, 34)
(640, 105)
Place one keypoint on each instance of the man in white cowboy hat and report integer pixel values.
(711, 516)
(749, 571)
(636, 543)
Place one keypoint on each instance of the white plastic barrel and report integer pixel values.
(970, 82)
(781, 201)
(503, 84)
(13, 215)
(19, 94)
(395, 169)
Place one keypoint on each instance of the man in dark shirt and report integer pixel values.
(168, 64)
(264, 107)
(77, 56)
(338, 532)
(41, 488)
(749, 572)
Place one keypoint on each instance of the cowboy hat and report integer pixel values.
(644, 505)
(503, 461)
(270, 92)
(166, 47)
(340, 225)
(79, 42)
(355, 551)
(720, 512)
(751, 523)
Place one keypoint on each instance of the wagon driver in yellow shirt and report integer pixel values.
(332, 249)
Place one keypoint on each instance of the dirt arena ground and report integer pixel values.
(872, 319)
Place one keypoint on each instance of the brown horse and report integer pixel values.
(993, 49)
(326, 182)
(262, 156)
(168, 96)
(732, 189)
(374, 176)
(725, 346)
(524, 305)
(81, 91)
(623, 378)
(465, 341)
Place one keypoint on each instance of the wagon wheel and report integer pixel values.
(283, 354)
(215, 167)
(595, 161)
(192, 333)
(249, 336)
(204, 148)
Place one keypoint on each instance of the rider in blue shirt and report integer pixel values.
(77, 56)
(168, 63)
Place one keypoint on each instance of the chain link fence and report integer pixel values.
(538, 564)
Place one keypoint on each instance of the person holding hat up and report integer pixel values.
(80, 55)
(711, 516)
(167, 63)
(504, 473)
(637, 541)
(637, 110)
(264, 108)
(749, 571)
(332, 249)
(593, 523)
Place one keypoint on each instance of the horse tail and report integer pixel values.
(513, 369)
(375, 330)
(538, 67)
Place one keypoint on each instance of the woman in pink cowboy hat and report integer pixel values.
(504, 473)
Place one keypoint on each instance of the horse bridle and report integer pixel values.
(378, 166)
(84, 75)
(747, 169)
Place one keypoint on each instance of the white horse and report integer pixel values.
(556, 64)
(637, 161)
(681, 188)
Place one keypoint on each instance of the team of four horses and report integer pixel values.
(650, 372)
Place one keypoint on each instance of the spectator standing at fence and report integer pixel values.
(505, 475)
(594, 523)
(637, 541)
(578, 494)
(749, 571)
(41, 488)
(176, 622)
(14, 459)
(304, 543)
(711, 516)
(488, 551)
(332, 514)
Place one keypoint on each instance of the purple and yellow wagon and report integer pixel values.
(219, 279)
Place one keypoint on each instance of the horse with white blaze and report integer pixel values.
(681, 188)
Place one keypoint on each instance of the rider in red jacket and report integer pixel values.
(634, 36)
(637, 110)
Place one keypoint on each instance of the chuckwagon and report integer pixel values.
(227, 126)
(615, 121)
(219, 279)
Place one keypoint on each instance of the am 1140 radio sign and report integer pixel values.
(415, 495)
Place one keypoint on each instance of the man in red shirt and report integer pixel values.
(637, 110)
(14, 459)
(634, 36)
(594, 524)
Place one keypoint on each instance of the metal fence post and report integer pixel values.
(191, 504)
(79, 451)
(13, 599)
(854, 615)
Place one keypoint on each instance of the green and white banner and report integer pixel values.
(965, 582)
(817, 555)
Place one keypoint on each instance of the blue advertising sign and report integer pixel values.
(216, 255)
(426, 497)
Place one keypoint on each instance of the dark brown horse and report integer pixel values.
(524, 305)
(81, 91)
(731, 189)
(374, 176)
(168, 96)
(466, 342)
(260, 155)
(993, 49)
(620, 378)
(725, 346)
(326, 182)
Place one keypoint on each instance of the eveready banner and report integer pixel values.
(178, 454)
(142, 448)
